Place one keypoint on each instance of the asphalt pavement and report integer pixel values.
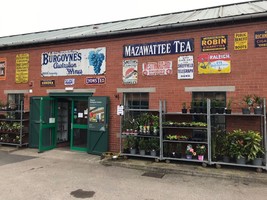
(12, 155)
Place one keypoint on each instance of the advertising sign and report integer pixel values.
(47, 83)
(214, 63)
(159, 48)
(157, 68)
(185, 67)
(2, 68)
(22, 68)
(95, 80)
(241, 41)
(261, 39)
(74, 62)
(129, 71)
(214, 43)
(69, 81)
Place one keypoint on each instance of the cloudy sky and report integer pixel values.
(18, 17)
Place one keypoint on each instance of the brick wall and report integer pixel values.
(248, 70)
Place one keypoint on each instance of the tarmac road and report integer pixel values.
(64, 175)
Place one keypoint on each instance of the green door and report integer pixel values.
(42, 123)
(79, 124)
(97, 141)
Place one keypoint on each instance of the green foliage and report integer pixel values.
(229, 103)
(258, 100)
(130, 142)
(201, 149)
(253, 144)
(143, 144)
(248, 100)
(154, 144)
(245, 144)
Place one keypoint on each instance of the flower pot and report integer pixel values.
(142, 152)
(228, 111)
(188, 156)
(245, 110)
(132, 151)
(226, 159)
(257, 161)
(258, 111)
(153, 153)
(200, 157)
(241, 161)
(184, 110)
(220, 110)
(213, 111)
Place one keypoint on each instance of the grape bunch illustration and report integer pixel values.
(96, 59)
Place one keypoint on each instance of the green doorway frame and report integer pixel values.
(82, 127)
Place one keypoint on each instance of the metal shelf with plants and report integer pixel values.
(245, 145)
(14, 126)
(140, 133)
(186, 136)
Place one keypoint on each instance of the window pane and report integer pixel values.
(136, 100)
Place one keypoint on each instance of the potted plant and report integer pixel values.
(143, 146)
(198, 107)
(255, 149)
(213, 106)
(258, 101)
(258, 160)
(184, 109)
(155, 124)
(220, 107)
(228, 109)
(225, 149)
(189, 152)
(248, 101)
(237, 146)
(130, 143)
(191, 109)
(154, 146)
(200, 151)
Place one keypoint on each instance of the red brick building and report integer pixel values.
(217, 53)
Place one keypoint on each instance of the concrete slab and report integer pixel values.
(192, 169)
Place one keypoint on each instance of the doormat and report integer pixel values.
(153, 174)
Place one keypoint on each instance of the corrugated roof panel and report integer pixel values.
(206, 15)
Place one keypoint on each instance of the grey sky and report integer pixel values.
(18, 17)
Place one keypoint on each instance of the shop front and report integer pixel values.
(78, 121)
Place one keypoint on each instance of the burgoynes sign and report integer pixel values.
(159, 48)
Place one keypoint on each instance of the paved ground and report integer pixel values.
(62, 175)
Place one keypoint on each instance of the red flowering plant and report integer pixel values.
(189, 150)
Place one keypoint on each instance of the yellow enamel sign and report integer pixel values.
(214, 63)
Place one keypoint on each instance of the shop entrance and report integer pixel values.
(77, 122)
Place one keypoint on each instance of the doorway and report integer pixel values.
(78, 122)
